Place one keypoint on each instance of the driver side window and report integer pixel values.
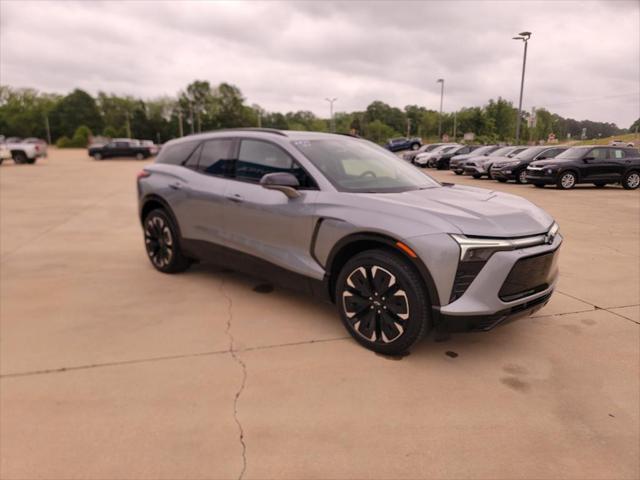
(598, 153)
(256, 158)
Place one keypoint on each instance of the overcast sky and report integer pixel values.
(583, 60)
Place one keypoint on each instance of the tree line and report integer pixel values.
(70, 120)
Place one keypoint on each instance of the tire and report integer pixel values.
(140, 156)
(388, 326)
(415, 146)
(538, 185)
(477, 176)
(521, 177)
(162, 243)
(567, 180)
(1, 160)
(19, 157)
(457, 173)
(31, 161)
(502, 180)
(97, 156)
(600, 184)
(631, 180)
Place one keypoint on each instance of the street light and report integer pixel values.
(524, 36)
(441, 82)
(333, 124)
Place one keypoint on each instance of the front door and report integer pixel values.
(265, 223)
(596, 164)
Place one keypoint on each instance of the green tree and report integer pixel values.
(77, 108)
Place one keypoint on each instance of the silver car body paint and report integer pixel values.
(266, 224)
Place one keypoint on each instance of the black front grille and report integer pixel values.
(528, 276)
(535, 173)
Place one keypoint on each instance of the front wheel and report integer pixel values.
(19, 157)
(382, 302)
(415, 146)
(631, 180)
(521, 177)
(97, 156)
(162, 243)
(140, 156)
(567, 180)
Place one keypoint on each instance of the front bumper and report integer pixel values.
(485, 303)
(505, 174)
(539, 176)
(474, 170)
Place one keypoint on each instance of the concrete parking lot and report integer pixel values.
(111, 370)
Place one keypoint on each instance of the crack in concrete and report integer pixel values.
(238, 360)
(597, 307)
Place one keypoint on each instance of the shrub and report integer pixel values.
(63, 142)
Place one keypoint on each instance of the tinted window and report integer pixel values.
(215, 157)
(573, 153)
(617, 153)
(122, 145)
(177, 154)
(598, 153)
(257, 158)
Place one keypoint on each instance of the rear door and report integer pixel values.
(265, 223)
(619, 162)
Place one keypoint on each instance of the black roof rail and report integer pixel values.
(263, 130)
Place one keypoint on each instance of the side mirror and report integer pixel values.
(588, 159)
(283, 182)
(541, 158)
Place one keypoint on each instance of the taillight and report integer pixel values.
(143, 174)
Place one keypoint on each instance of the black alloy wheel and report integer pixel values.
(382, 302)
(162, 243)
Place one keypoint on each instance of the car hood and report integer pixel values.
(462, 209)
(549, 161)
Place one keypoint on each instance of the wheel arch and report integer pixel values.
(573, 170)
(152, 202)
(355, 243)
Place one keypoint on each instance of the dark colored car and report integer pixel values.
(597, 165)
(441, 162)
(515, 168)
(120, 149)
(456, 164)
(403, 143)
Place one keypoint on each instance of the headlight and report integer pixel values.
(549, 169)
(481, 249)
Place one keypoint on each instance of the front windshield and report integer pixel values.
(529, 153)
(501, 152)
(362, 167)
(573, 153)
(481, 151)
(444, 149)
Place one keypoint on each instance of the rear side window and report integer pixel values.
(177, 154)
(257, 158)
(617, 153)
(215, 157)
(598, 153)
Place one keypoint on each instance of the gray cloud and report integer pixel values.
(584, 57)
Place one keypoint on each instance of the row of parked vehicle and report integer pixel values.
(22, 150)
(123, 147)
(558, 165)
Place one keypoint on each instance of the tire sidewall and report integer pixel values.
(419, 321)
(562, 175)
(178, 262)
(625, 180)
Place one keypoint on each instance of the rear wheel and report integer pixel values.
(140, 156)
(163, 243)
(631, 180)
(415, 146)
(382, 302)
(97, 156)
(567, 180)
(19, 157)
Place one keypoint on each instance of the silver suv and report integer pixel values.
(339, 217)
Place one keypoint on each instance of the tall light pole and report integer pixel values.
(524, 36)
(441, 82)
(332, 122)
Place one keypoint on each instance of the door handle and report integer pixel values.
(175, 185)
(236, 198)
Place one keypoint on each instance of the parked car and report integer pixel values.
(456, 164)
(423, 159)
(337, 216)
(25, 152)
(5, 153)
(515, 168)
(621, 143)
(411, 155)
(597, 165)
(480, 166)
(403, 143)
(119, 148)
(153, 148)
(441, 161)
